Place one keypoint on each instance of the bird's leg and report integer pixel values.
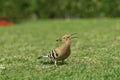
(56, 63)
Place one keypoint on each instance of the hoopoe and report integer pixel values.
(63, 51)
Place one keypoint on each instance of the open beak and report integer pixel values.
(73, 35)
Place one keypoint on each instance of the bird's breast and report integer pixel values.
(64, 54)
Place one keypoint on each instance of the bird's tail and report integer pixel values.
(45, 56)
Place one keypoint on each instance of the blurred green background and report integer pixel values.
(95, 53)
(19, 10)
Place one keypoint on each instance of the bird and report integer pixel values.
(63, 51)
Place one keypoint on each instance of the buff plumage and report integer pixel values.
(63, 51)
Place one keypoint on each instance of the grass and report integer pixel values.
(95, 54)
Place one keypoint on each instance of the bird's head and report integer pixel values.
(66, 38)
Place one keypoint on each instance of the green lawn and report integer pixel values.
(95, 53)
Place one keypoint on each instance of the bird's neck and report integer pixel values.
(65, 46)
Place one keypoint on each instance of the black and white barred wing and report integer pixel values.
(52, 54)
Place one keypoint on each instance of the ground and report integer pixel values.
(95, 53)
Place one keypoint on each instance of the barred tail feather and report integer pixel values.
(45, 56)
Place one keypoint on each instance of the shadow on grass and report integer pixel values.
(52, 63)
